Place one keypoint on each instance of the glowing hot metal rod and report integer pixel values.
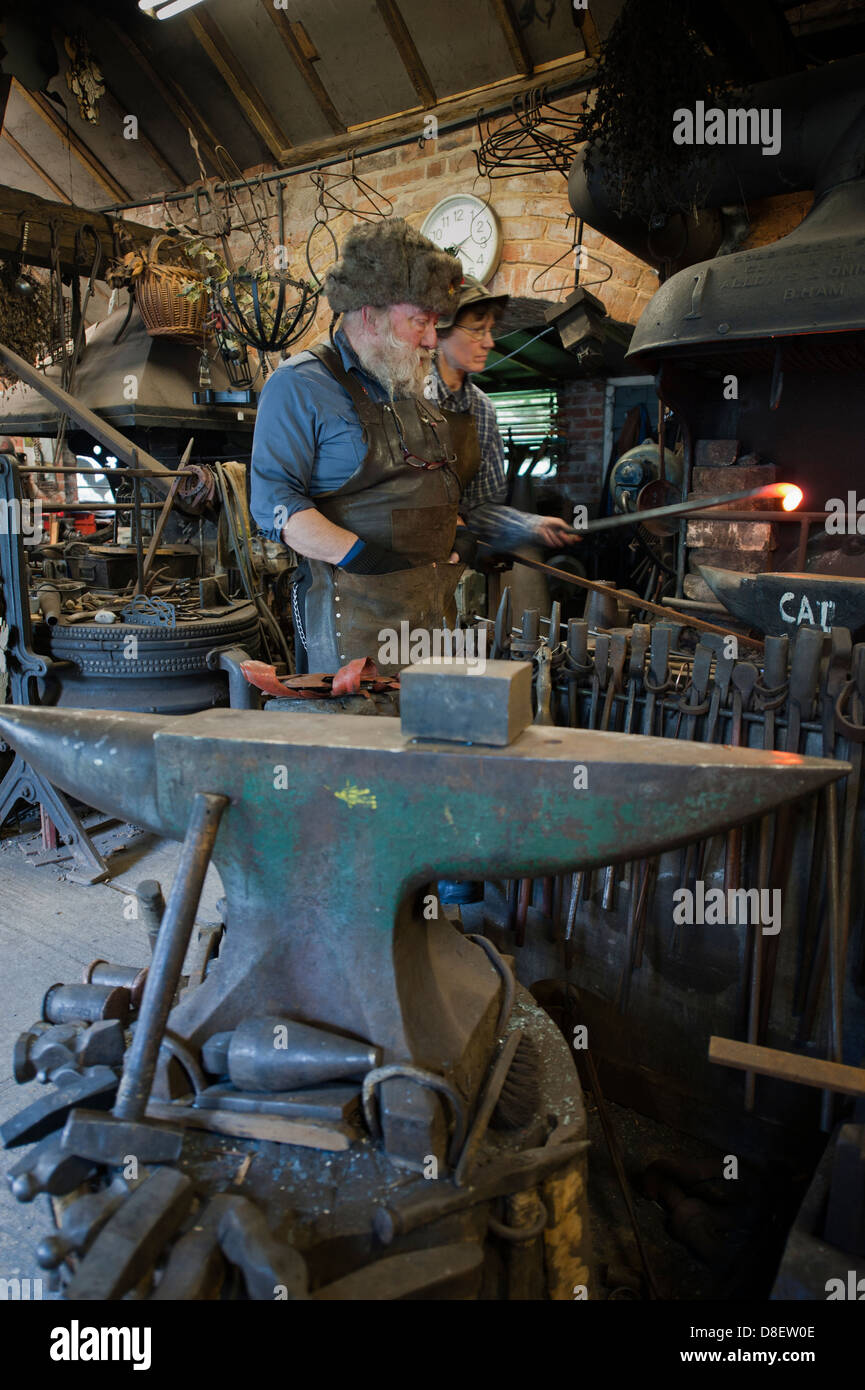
(791, 497)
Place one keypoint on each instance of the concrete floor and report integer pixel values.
(50, 929)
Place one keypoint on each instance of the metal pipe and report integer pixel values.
(95, 506)
(105, 434)
(104, 472)
(139, 539)
(797, 517)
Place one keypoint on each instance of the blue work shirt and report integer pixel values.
(308, 439)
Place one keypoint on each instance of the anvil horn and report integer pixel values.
(107, 760)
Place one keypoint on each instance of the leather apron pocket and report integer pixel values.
(423, 532)
(379, 603)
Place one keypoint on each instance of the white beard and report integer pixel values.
(401, 369)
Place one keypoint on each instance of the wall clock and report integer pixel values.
(465, 225)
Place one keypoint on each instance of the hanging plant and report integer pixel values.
(26, 324)
(652, 64)
(265, 310)
(168, 289)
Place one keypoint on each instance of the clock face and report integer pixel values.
(470, 229)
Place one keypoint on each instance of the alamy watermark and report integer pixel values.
(21, 518)
(20, 1290)
(410, 645)
(77, 1343)
(845, 518)
(736, 126)
(713, 907)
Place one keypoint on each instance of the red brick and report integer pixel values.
(458, 162)
(529, 251)
(560, 233)
(523, 229)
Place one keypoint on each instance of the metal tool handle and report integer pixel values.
(171, 946)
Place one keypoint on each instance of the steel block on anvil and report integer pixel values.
(487, 702)
(777, 603)
(336, 829)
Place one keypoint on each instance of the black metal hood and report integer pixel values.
(810, 282)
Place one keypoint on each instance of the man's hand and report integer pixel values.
(554, 532)
(465, 551)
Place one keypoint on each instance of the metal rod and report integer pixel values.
(762, 516)
(106, 435)
(163, 515)
(686, 620)
(692, 504)
(105, 472)
(139, 540)
(566, 88)
(95, 506)
(168, 956)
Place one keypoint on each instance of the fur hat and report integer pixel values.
(388, 262)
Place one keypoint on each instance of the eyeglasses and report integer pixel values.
(414, 459)
(477, 333)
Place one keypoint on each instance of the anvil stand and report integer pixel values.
(22, 782)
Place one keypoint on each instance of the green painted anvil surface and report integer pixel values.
(336, 828)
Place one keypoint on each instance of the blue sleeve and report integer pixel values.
(283, 451)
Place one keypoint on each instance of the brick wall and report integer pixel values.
(580, 421)
(533, 210)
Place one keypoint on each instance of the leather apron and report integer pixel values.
(407, 507)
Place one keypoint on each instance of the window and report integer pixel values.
(530, 418)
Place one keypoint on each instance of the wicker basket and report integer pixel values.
(166, 312)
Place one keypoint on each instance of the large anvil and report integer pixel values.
(337, 829)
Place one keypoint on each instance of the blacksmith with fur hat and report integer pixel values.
(364, 478)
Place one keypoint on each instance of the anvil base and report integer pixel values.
(518, 1228)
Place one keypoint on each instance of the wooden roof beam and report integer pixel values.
(520, 56)
(72, 142)
(241, 86)
(173, 95)
(18, 207)
(293, 36)
(589, 30)
(405, 47)
(458, 107)
(37, 168)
